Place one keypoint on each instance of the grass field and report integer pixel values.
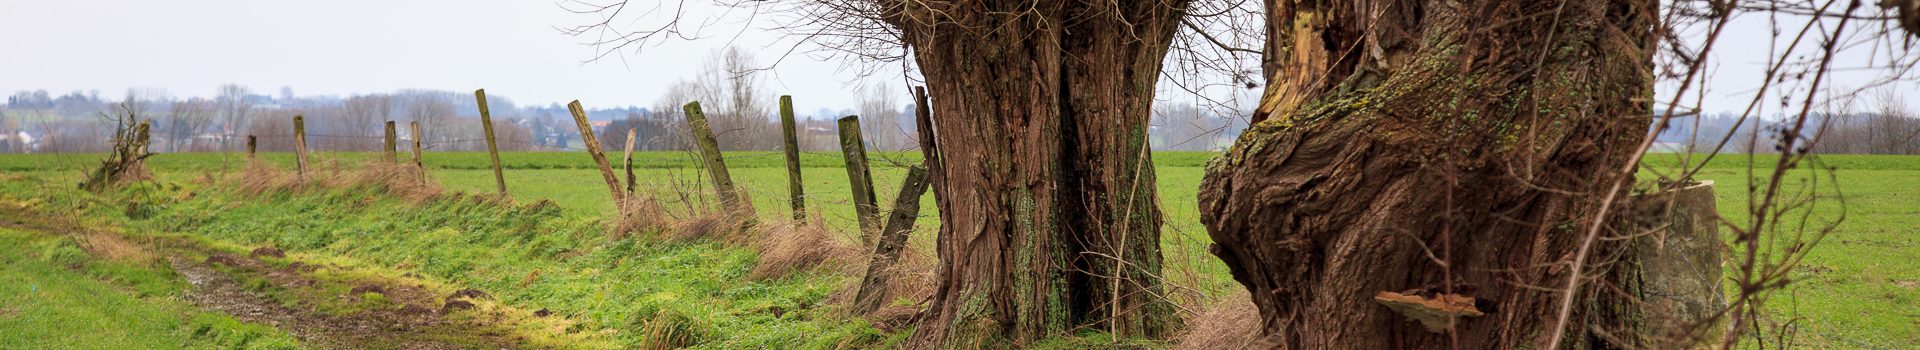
(1856, 290)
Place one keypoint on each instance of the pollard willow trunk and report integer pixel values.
(1044, 188)
(1439, 150)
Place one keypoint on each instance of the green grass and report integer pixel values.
(1856, 290)
(55, 297)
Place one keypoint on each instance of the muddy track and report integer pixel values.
(408, 328)
(419, 323)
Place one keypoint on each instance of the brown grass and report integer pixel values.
(639, 214)
(1228, 323)
(911, 278)
(793, 247)
(398, 180)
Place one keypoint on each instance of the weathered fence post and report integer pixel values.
(929, 150)
(493, 152)
(393, 153)
(716, 164)
(854, 149)
(629, 160)
(593, 149)
(416, 144)
(1679, 267)
(794, 188)
(300, 145)
(893, 240)
(251, 142)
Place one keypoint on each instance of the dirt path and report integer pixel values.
(411, 327)
(418, 320)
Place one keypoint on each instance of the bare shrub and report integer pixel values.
(1231, 322)
(789, 248)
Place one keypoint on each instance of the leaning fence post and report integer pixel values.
(250, 146)
(794, 187)
(853, 148)
(629, 160)
(593, 149)
(893, 240)
(393, 154)
(416, 144)
(300, 145)
(493, 152)
(716, 164)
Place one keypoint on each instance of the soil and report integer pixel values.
(267, 251)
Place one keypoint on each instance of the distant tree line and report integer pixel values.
(733, 95)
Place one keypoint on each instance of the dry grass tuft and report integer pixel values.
(711, 225)
(398, 180)
(789, 248)
(260, 178)
(638, 214)
(1228, 323)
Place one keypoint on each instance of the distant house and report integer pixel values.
(17, 142)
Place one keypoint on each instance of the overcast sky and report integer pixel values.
(342, 47)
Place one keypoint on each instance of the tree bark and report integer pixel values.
(1049, 222)
(1433, 148)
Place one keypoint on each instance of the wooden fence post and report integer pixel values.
(893, 240)
(794, 188)
(716, 164)
(929, 149)
(393, 154)
(854, 149)
(629, 160)
(416, 144)
(493, 152)
(593, 149)
(300, 145)
(251, 142)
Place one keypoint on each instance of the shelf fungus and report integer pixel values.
(1435, 311)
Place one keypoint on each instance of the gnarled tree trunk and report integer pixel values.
(1047, 205)
(1432, 148)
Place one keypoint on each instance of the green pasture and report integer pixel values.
(1857, 289)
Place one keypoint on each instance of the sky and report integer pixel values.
(509, 47)
(342, 47)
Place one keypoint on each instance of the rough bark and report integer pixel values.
(1045, 191)
(1431, 147)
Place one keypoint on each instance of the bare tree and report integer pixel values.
(185, 121)
(433, 111)
(742, 120)
(880, 119)
(366, 115)
(235, 111)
